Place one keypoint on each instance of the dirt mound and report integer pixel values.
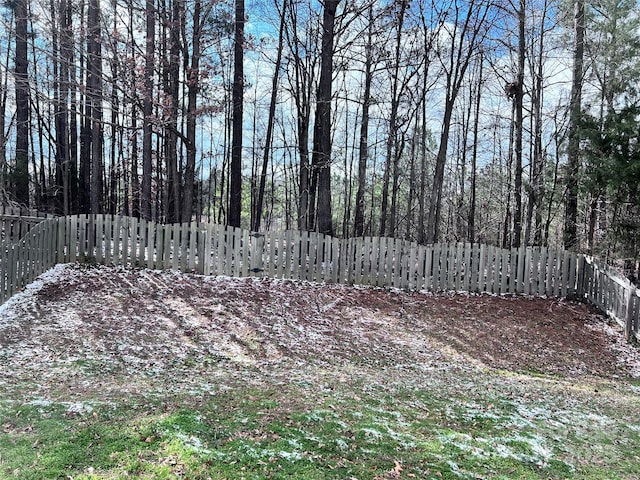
(128, 325)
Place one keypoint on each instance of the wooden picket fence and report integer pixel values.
(211, 249)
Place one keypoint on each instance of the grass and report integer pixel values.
(353, 430)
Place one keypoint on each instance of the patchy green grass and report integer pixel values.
(354, 430)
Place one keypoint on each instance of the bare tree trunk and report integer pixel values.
(85, 133)
(21, 175)
(519, 127)
(94, 94)
(593, 219)
(135, 179)
(435, 203)
(70, 60)
(322, 130)
(534, 208)
(462, 141)
(193, 84)
(61, 100)
(235, 185)
(147, 109)
(573, 153)
(506, 237)
(39, 171)
(116, 129)
(172, 76)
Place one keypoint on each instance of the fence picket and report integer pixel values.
(366, 260)
(505, 273)
(420, 272)
(115, 239)
(491, 268)
(497, 270)
(465, 284)
(458, 268)
(481, 277)
(12, 271)
(73, 238)
(526, 273)
(335, 261)
(302, 254)
(295, 254)
(108, 238)
(551, 271)
(396, 246)
(287, 253)
(137, 241)
(99, 238)
(450, 266)
(373, 261)
(192, 257)
(475, 268)
(163, 260)
(571, 288)
(386, 262)
(90, 236)
(434, 271)
(278, 254)
(204, 240)
(126, 235)
(435, 266)
(356, 259)
(314, 258)
(217, 249)
(542, 271)
(322, 257)
(243, 235)
(272, 253)
(151, 231)
(428, 267)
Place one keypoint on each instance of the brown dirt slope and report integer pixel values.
(122, 324)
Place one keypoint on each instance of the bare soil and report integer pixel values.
(128, 328)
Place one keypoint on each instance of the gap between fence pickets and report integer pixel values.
(378, 261)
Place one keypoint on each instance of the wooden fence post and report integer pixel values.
(628, 330)
(257, 250)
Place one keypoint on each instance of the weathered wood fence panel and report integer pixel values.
(378, 261)
(23, 260)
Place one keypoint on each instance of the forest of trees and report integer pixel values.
(509, 122)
